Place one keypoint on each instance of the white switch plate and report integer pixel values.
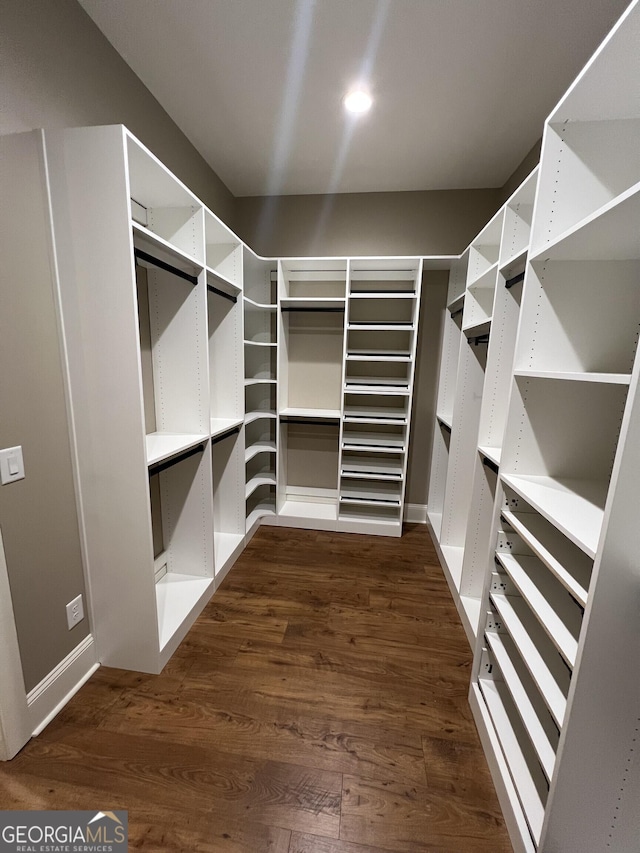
(75, 612)
(11, 465)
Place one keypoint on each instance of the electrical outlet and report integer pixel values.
(75, 612)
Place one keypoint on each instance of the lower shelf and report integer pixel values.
(454, 556)
(225, 544)
(176, 597)
(525, 771)
(309, 510)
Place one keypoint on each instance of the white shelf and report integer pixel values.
(515, 262)
(386, 391)
(381, 294)
(371, 468)
(454, 556)
(248, 382)
(317, 510)
(258, 415)
(225, 284)
(554, 608)
(176, 597)
(225, 545)
(265, 508)
(260, 343)
(610, 233)
(312, 302)
(533, 712)
(572, 567)
(376, 492)
(366, 515)
(374, 354)
(222, 425)
(492, 453)
(147, 240)
(164, 445)
(446, 419)
(456, 304)
(545, 665)
(471, 607)
(603, 378)
(259, 447)
(478, 329)
(381, 327)
(576, 507)
(264, 479)
(523, 766)
(261, 306)
(372, 440)
(301, 412)
(372, 382)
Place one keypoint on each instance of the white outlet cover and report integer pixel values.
(75, 612)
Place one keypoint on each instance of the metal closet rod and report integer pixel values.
(150, 259)
(227, 434)
(219, 292)
(162, 466)
(301, 309)
(509, 283)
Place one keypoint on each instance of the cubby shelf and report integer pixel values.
(258, 415)
(260, 447)
(265, 479)
(168, 252)
(219, 426)
(317, 303)
(302, 412)
(494, 454)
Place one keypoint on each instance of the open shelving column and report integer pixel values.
(311, 344)
(383, 304)
(260, 388)
(557, 621)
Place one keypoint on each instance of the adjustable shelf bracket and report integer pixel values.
(169, 463)
(156, 262)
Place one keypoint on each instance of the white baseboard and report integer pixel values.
(415, 513)
(56, 689)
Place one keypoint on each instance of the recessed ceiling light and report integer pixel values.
(357, 101)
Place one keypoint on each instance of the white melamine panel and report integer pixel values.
(533, 712)
(545, 665)
(518, 215)
(260, 278)
(478, 303)
(571, 566)
(372, 466)
(586, 166)
(223, 251)
(392, 313)
(485, 249)
(259, 363)
(226, 354)
(479, 535)
(449, 363)
(581, 316)
(312, 278)
(227, 456)
(312, 452)
(464, 442)
(162, 446)
(262, 502)
(178, 322)
(519, 754)
(313, 345)
(438, 477)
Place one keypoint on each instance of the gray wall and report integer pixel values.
(404, 223)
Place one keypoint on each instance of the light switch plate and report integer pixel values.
(11, 465)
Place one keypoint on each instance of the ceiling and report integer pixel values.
(461, 87)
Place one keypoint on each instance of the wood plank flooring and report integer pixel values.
(319, 705)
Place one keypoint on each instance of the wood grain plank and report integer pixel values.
(305, 843)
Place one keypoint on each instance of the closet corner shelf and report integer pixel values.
(574, 376)
(609, 233)
(494, 454)
(146, 240)
(260, 511)
(265, 479)
(576, 507)
(260, 306)
(319, 414)
(221, 425)
(515, 264)
(446, 419)
(163, 445)
(259, 414)
(260, 343)
(225, 284)
(248, 382)
(487, 277)
(259, 447)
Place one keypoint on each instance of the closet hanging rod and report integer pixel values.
(490, 464)
(168, 463)
(510, 282)
(219, 292)
(310, 310)
(227, 434)
(312, 421)
(150, 259)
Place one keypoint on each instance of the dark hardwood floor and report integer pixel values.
(319, 705)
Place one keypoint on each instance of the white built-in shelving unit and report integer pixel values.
(535, 466)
